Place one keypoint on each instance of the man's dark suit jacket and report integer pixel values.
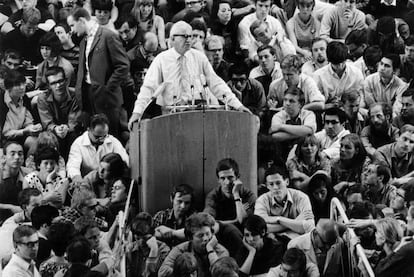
(108, 69)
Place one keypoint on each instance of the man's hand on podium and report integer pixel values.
(135, 117)
(244, 109)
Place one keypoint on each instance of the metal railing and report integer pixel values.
(338, 210)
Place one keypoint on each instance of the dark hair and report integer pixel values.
(277, 169)
(385, 171)
(255, 225)
(142, 224)
(43, 214)
(185, 265)
(102, 5)
(395, 59)
(131, 20)
(183, 189)
(239, 68)
(226, 164)
(336, 52)
(45, 153)
(14, 78)
(26, 194)
(80, 12)
(310, 139)
(372, 55)
(197, 24)
(60, 235)
(409, 41)
(266, 47)
(295, 258)
(79, 251)
(357, 37)
(83, 224)
(408, 93)
(224, 266)
(98, 119)
(23, 231)
(386, 109)
(362, 210)
(295, 91)
(197, 221)
(117, 166)
(359, 158)
(8, 143)
(54, 70)
(63, 25)
(191, 15)
(51, 40)
(12, 54)
(337, 112)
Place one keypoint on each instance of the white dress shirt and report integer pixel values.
(165, 68)
(84, 157)
(17, 267)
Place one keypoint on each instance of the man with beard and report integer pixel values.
(26, 244)
(406, 115)
(214, 52)
(399, 155)
(319, 58)
(380, 131)
(169, 223)
(384, 85)
(332, 133)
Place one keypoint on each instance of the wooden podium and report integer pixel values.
(185, 147)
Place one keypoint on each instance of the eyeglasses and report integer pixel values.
(100, 138)
(30, 244)
(333, 122)
(57, 82)
(183, 35)
(190, 3)
(216, 50)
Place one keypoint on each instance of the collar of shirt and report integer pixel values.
(333, 73)
(22, 263)
(393, 3)
(9, 101)
(178, 55)
(390, 83)
(51, 100)
(93, 28)
(6, 174)
(40, 235)
(86, 141)
(288, 199)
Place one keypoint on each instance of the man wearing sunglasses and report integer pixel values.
(26, 244)
(180, 69)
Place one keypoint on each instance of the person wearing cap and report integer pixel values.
(181, 68)
(324, 248)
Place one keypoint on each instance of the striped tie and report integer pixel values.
(184, 84)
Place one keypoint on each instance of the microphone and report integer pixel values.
(205, 88)
(192, 93)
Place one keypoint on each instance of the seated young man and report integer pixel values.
(294, 260)
(292, 122)
(202, 243)
(399, 156)
(169, 224)
(11, 179)
(292, 77)
(260, 252)
(287, 212)
(229, 202)
(16, 119)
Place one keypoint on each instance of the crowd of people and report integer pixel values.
(331, 85)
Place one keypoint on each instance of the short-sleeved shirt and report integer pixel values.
(306, 84)
(296, 204)
(305, 118)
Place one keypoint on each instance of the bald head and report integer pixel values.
(150, 41)
(327, 230)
